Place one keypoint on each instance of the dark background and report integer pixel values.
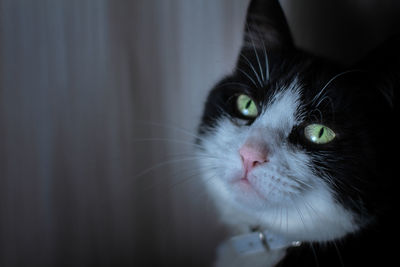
(95, 92)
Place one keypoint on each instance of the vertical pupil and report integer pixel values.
(321, 132)
(248, 104)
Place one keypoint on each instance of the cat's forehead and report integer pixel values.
(283, 110)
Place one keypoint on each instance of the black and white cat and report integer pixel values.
(300, 150)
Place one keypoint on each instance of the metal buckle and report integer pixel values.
(263, 240)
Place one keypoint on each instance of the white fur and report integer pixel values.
(285, 195)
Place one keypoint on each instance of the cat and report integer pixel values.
(297, 152)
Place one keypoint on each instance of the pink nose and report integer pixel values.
(252, 156)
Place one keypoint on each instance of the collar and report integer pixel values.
(261, 241)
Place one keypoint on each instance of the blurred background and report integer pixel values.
(99, 104)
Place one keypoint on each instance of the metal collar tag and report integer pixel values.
(261, 241)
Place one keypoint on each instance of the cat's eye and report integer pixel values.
(319, 134)
(246, 106)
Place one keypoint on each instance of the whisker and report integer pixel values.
(275, 214)
(331, 80)
(164, 163)
(265, 57)
(196, 171)
(311, 210)
(323, 99)
(234, 84)
(191, 176)
(252, 67)
(173, 127)
(171, 186)
(287, 219)
(329, 179)
(205, 192)
(315, 255)
(321, 118)
(248, 76)
(301, 216)
(156, 139)
(304, 183)
(281, 221)
(309, 205)
(338, 253)
(266, 62)
(293, 177)
(265, 205)
(255, 52)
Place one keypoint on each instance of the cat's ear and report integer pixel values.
(266, 25)
(383, 68)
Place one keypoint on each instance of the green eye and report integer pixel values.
(246, 106)
(319, 134)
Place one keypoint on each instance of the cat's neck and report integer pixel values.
(258, 240)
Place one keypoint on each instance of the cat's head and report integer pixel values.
(296, 143)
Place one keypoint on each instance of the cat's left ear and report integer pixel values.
(266, 26)
(383, 68)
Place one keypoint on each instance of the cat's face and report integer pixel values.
(288, 142)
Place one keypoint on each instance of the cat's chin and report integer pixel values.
(304, 218)
(245, 195)
(246, 188)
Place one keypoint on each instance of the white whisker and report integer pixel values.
(252, 67)
(165, 163)
(266, 63)
(338, 253)
(193, 175)
(300, 214)
(156, 139)
(256, 54)
(315, 255)
(248, 76)
(265, 58)
(172, 127)
(233, 84)
(331, 80)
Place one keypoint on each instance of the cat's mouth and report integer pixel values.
(245, 184)
(269, 188)
(246, 187)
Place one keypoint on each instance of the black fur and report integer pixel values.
(360, 106)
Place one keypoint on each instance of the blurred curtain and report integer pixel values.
(92, 94)
(99, 103)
